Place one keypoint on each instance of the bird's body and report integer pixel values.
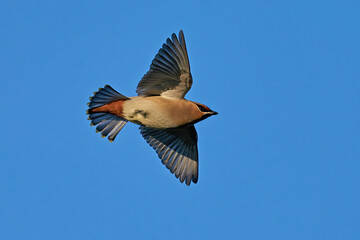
(155, 111)
(166, 119)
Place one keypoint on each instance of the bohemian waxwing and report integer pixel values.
(166, 119)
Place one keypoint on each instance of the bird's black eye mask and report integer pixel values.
(202, 109)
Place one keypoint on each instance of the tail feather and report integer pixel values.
(105, 123)
(104, 96)
(116, 130)
(108, 124)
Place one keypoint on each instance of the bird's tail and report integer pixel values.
(105, 111)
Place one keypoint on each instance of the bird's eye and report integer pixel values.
(201, 108)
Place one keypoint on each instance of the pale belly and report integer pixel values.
(159, 112)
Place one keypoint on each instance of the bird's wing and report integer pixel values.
(177, 149)
(169, 73)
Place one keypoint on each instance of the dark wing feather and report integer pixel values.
(177, 149)
(169, 73)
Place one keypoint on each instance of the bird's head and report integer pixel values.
(205, 111)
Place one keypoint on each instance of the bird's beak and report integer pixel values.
(214, 113)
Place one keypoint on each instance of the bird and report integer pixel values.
(165, 117)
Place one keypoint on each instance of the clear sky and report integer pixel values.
(280, 161)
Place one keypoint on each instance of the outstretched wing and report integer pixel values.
(177, 149)
(169, 73)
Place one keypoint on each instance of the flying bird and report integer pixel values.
(165, 117)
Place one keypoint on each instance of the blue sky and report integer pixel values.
(280, 161)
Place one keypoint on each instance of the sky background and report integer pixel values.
(280, 161)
